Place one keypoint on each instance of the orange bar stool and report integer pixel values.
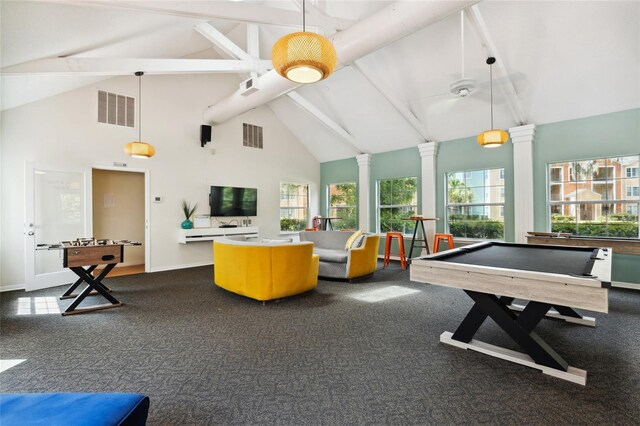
(387, 249)
(438, 237)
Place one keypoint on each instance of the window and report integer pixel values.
(294, 206)
(599, 199)
(342, 204)
(397, 200)
(475, 204)
(502, 174)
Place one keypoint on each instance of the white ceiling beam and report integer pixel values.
(326, 120)
(489, 46)
(120, 66)
(209, 32)
(234, 51)
(400, 106)
(222, 10)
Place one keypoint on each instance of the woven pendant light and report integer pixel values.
(495, 137)
(139, 149)
(304, 57)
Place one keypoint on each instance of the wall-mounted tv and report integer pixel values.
(232, 201)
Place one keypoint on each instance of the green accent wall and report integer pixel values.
(464, 155)
(394, 164)
(606, 135)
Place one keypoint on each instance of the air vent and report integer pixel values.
(116, 109)
(251, 136)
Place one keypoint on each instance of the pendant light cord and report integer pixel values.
(140, 107)
(490, 61)
(303, 18)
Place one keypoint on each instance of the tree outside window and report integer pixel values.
(342, 204)
(397, 200)
(475, 204)
(294, 207)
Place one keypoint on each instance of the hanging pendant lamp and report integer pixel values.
(139, 149)
(495, 137)
(304, 57)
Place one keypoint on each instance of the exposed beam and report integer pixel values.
(222, 10)
(326, 120)
(480, 26)
(209, 32)
(400, 106)
(121, 66)
(234, 51)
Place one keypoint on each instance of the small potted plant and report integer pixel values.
(188, 211)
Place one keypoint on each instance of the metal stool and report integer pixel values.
(387, 249)
(438, 237)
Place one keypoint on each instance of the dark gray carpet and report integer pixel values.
(207, 356)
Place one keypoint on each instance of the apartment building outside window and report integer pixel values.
(597, 197)
(294, 206)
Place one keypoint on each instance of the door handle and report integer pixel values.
(30, 233)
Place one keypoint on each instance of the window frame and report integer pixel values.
(338, 225)
(468, 174)
(379, 207)
(614, 180)
(305, 208)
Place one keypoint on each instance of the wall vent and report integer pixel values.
(116, 109)
(251, 136)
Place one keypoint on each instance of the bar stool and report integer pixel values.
(387, 249)
(438, 237)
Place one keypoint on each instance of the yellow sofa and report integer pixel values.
(265, 271)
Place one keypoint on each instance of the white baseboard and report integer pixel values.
(183, 266)
(620, 284)
(12, 287)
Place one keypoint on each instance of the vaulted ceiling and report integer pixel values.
(556, 61)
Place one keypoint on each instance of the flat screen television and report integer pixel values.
(232, 201)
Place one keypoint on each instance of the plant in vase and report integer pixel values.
(188, 211)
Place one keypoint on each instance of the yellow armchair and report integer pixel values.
(265, 271)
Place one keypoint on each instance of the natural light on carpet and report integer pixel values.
(385, 293)
(37, 306)
(6, 364)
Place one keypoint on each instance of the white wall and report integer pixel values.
(64, 130)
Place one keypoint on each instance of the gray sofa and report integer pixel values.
(335, 261)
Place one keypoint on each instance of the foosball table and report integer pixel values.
(83, 256)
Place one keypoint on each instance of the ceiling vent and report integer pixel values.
(249, 86)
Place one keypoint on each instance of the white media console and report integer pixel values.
(211, 234)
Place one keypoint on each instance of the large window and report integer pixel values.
(595, 197)
(294, 206)
(475, 204)
(397, 200)
(342, 204)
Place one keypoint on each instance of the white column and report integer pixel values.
(428, 155)
(364, 190)
(522, 139)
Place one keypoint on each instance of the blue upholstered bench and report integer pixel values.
(77, 409)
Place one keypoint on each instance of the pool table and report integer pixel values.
(553, 279)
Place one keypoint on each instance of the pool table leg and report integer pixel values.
(519, 328)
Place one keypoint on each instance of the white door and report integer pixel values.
(56, 209)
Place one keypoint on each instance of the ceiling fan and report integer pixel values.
(465, 86)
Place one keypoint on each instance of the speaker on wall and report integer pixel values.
(205, 134)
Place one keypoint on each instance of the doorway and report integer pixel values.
(119, 213)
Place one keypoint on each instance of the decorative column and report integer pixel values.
(364, 190)
(522, 139)
(428, 155)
